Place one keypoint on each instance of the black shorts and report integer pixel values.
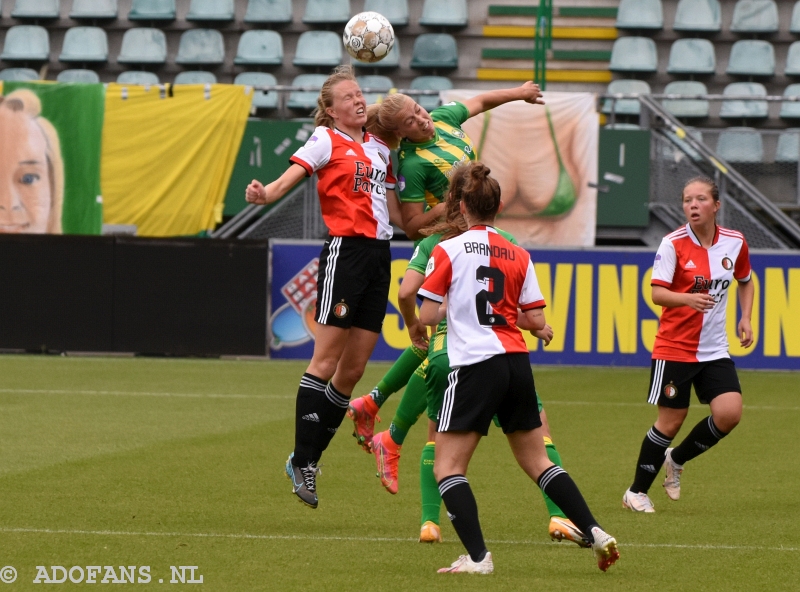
(671, 382)
(502, 385)
(353, 282)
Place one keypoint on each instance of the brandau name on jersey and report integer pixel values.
(489, 250)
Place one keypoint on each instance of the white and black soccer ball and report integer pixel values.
(368, 37)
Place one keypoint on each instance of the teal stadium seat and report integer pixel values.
(686, 108)
(195, 77)
(379, 87)
(391, 61)
(78, 75)
(692, 56)
(793, 60)
(737, 109)
(210, 10)
(261, 99)
(625, 106)
(36, 9)
(640, 14)
(322, 49)
(201, 46)
(26, 43)
(794, 25)
(260, 48)
(143, 46)
(305, 100)
(94, 9)
(740, 144)
(85, 44)
(152, 10)
(633, 54)
(790, 109)
(327, 12)
(751, 57)
(396, 11)
(430, 102)
(702, 16)
(788, 149)
(755, 16)
(435, 51)
(277, 12)
(138, 77)
(444, 13)
(19, 74)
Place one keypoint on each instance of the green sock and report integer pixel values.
(555, 458)
(398, 375)
(428, 487)
(412, 405)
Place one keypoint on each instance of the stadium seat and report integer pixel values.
(85, 44)
(444, 13)
(698, 15)
(430, 102)
(434, 50)
(19, 74)
(625, 106)
(755, 16)
(669, 151)
(78, 75)
(793, 60)
(210, 10)
(692, 56)
(633, 54)
(261, 99)
(201, 46)
(790, 109)
(152, 10)
(389, 62)
(36, 9)
(304, 99)
(327, 12)
(94, 9)
(640, 14)
(740, 144)
(261, 48)
(137, 77)
(277, 12)
(143, 46)
(396, 11)
(737, 109)
(794, 26)
(788, 149)
(26, 43)
(195, 77)
(379, 85)
(686, 108)
(751, 57)
(318, 49)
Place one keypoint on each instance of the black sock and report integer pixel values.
(463, 512)
(702, 437)
(651, 457)
(310, 397)
(333, 408)
(560, 487)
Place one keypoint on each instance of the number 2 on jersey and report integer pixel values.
(493, 296)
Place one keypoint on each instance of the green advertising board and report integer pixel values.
(624, 178)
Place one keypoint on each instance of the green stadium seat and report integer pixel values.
(210, 10)
(19, 74)
(143, 46)
(201, 46)
(36, 9)
(794, 25)
(26, 43)
(788, 149)
(640, 14)
(740, 144)
(302, 99)
(391, 61)
(152, 10)
(444, 13)
(260, 48)
(277, 12)
(435, 51)
(687, 108)
(195, 77)
(755, 16)
(327, 12)
(379, 85)
(702, 16)
(692, 56)
(625, 106)
(78, 75)
(318, 49)
(261, 99)
(430, 102)
(94, 9)
(396, 11)
(85, 44)
(137, 77)
(793, 60)
(789, 109)
(633, 54)
(751, 57)
(737, 109)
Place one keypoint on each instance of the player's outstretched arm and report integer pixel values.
(412, 281)
(528, 92)
(259, 194)
(416, 218)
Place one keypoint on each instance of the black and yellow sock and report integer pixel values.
(412, 405)
(428, 487)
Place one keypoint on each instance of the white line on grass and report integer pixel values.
(279, 537)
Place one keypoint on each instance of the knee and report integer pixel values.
(349, 376)
(322, 367)
(728, 420)
(670, 423)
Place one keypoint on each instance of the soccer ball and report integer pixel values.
(368, 37)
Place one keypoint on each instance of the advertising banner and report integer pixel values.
(598, 303)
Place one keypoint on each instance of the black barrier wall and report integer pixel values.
(157, 296)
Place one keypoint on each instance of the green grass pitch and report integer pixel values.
(174, 462)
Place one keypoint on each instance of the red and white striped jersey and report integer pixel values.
(682, 265)
(485, 279)
(353, 179)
